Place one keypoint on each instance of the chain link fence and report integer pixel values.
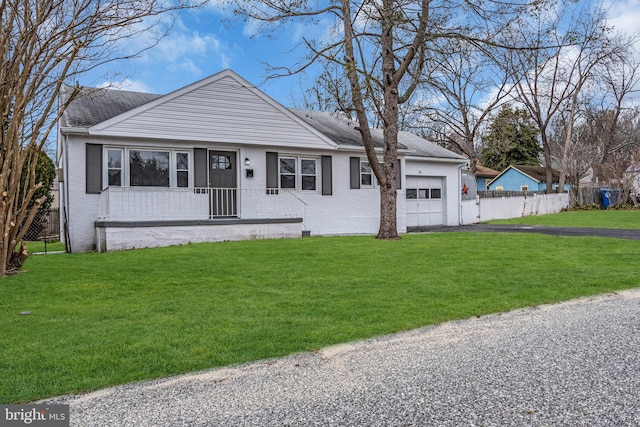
(45, 227)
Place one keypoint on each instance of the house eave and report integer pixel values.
(360, 149)
(437, 159)
(68, 130)
(203, 139)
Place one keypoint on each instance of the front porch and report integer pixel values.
(162, 204)
(142, 217)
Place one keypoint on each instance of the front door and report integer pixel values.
(222, 181)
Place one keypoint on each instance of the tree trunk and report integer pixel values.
(546, 150)
(388, 218)
(566, 152)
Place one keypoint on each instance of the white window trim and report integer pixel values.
(298, 172)
(106, 168)
(125, 178)
(374, 181)
(173, 168)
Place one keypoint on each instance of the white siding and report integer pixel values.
(82, 209)
(222, 111)
(346, 211)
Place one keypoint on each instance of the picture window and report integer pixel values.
(148, 168)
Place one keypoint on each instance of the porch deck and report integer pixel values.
(139, 218)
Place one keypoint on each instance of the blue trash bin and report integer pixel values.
(610, 196)
(606, 197)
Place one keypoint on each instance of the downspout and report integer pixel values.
(65, 207)
(460, 213)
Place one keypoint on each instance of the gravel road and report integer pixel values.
(575, 363)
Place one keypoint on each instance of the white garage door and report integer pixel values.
(425, 204)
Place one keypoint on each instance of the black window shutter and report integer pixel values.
(94, 168)
(327, 178)
(200, 168)
(399, 176)
(272, 170)
(355, 171)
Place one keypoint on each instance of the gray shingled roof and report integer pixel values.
(425, 148)
(94, 106)
(337, 126)
(344, 131)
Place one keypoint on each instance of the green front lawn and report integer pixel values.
(625, 219)
(103, 319)
(41, 246)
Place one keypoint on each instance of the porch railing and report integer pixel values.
(136, 203)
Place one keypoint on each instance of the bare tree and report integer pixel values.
(329, 92)
(612, 153)
(619, 78)
(44, 45)
(463, 86)
(578, 154)
(381, 46)
(564, 45)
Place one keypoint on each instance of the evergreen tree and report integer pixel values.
(512, 139)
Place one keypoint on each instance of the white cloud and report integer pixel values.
(219, 6)
(624, 15)
(126, 84)
(251, 28)
(189, 51)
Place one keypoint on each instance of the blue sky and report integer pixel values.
(201, 44)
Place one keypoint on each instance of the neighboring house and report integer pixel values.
(220, 160)
(484, 175)
(523, 178)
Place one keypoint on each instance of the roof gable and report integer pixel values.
(535, 173)
(223, 108)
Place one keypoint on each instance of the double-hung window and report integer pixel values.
(308, 173)
(182, 169)
(288, 172)
(114, 167)
(298, 173)
(367, 179)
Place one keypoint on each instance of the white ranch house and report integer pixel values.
(220, 160)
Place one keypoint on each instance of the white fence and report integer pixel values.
(140, 204)
(486, 209)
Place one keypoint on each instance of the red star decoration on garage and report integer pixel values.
(465, 190)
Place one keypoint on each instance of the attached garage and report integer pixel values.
(425, 202)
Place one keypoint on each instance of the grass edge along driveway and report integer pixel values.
(99, 320)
